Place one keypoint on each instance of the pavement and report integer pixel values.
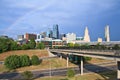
(62, 71)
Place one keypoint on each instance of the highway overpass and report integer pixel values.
(103, 54)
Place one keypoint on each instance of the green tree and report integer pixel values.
(76, 45)
(25, 47)
(12, 62)
(32, 44)
(70, 73)
(27, 75)
(4, 44)
(116, 47)
(85, 46)
(24, 60)
(71, 45)
(14, 45)
(40, 45)
(35, 60)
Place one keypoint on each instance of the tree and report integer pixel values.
(116, 47)
(32, 44)
(27, 75)
(12, 62)
(40, 45)
(35, 60)
(14, 46)
(71, 45)
(4, 44)
(70, 73)
(76, 45)
(24, 60)
(25, 46)
(85, 46)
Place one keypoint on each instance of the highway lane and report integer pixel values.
(1, 62)
(62, 72)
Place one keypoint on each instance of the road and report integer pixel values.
(62, 72)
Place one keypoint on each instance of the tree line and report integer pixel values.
(87, 46)
(9, 45)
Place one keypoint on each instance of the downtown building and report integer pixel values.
(29, 36)
(107, 34)
(55, 32)
(70, 37)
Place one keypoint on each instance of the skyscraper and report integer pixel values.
(86, 35)
(107, 34)
(55, 32)
(49, 33)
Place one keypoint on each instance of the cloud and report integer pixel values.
(36, 16)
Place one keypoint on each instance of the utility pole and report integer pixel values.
(50, 69)
(50, 73)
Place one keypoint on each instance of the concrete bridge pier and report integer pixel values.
(118, 71)
(81, 65)
(67, 60)
(60, 56)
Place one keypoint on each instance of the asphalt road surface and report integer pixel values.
(62, 72)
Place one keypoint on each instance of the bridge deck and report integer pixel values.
(113, 55)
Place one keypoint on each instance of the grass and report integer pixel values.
(110, 75)
(55, 63)
(39, 53)
(98, 60)
(3, 69)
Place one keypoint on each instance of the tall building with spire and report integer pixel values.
(86, 35)
(107, 34)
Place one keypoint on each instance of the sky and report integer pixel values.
(36, 16)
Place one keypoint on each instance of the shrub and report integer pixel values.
(27, 75)
(70, 73)
(35, 60)
(12, 62)
(24, 60)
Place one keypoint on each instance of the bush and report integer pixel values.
(35, 60)
(27, 75)
(12, 62)
(70, 73)
(24, 60)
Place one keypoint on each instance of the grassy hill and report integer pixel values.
(39, 53)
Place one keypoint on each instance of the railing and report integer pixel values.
(106, 52)
(92, 50)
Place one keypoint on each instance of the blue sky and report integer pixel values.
(35, 16)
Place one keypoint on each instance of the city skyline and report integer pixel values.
(19, 17)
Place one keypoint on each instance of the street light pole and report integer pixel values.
(50, 68)
(50, 73)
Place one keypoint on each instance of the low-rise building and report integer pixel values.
(53, 43)
(29, 36)
(70, 37)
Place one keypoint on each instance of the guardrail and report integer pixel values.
(88, 50)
